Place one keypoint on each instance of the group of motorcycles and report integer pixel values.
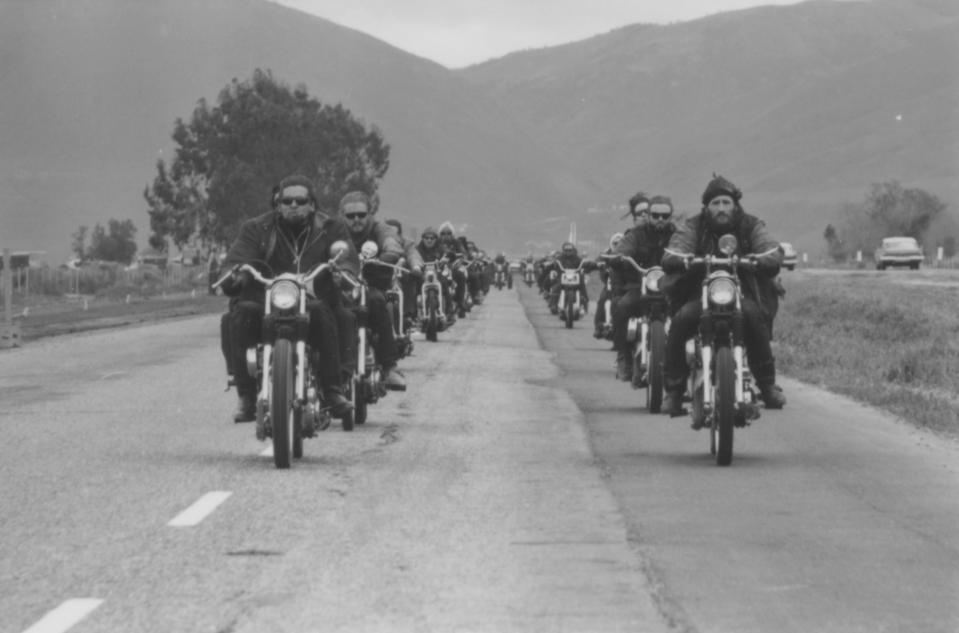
(290, 406)
(721, 390)
(289, 403)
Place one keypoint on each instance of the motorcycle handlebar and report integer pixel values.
(628, 259)
(247, 268)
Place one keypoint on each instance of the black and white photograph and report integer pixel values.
(462, 316)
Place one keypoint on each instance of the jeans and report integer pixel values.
(684, 325)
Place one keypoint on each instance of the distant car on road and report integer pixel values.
(790, 257)
(898, 251)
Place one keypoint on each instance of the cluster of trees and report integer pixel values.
(230, 156)
(116, 243)
(889, 209)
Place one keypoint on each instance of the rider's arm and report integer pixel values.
(681, 244)
(769, 254)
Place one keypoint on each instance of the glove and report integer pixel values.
(233, 285)
(390, 258)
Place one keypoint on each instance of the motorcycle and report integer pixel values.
(289, 404)
(646, 335)
(501, 272)
(570, 302)
(396, 304)
(529, 275)
(366, 386)
(432, 314)
(724, 396)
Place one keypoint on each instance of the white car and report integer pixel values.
(898, 251)
(790, 257)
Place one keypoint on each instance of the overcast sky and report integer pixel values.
(458, 33)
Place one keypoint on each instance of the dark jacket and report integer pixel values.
(694, 238)
(267, 244)
(645, 246)
(391, 250)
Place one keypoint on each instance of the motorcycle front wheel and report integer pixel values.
(569, 313)
(432, 317)
(657, 354)
(281, 403)
(360, 402)
(725, 406)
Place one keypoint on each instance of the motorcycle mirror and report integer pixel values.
(338, 248)
(369, 249)
(728, 244)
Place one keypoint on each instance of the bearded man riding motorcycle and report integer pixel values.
(292, 237)
(430, 249)
(356, 209)
(646, 243)
(722, 214)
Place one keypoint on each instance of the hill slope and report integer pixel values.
(89, 91)
(804, 106)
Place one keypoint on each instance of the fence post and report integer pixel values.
(9, 333)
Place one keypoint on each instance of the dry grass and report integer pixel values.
(878, 340)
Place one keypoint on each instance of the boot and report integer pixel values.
(673, 404)
(339, 405)
(392, 379)
(598, 332)
(245, 408)
(624, 367)
(773, 396)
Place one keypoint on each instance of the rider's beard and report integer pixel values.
(295, 218)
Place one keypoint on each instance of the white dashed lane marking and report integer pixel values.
(65, 616)
(200, 510)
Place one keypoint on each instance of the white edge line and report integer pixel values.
(200, 509)
(65, 616)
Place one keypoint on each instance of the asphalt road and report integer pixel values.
(514, 487)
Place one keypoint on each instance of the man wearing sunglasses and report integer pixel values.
(431, 250)
(455, 249)
(357, 209)
(722, 214)
(646, 243)
(292, 237)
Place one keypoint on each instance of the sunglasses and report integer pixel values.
(429, 238)
(660, 216)
(355, 216)
(290, 202)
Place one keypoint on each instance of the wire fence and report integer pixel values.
(34, 284)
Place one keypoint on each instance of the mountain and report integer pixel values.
(803, 106)
(90, 89)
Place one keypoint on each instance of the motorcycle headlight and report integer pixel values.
(722, 292)
(284, 295)
(654, 278)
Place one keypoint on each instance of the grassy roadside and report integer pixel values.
(887, 344)
(70, 316)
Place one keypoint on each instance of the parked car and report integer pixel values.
(790, 257)
(898, 251)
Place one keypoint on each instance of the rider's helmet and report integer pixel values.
(569, 248)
